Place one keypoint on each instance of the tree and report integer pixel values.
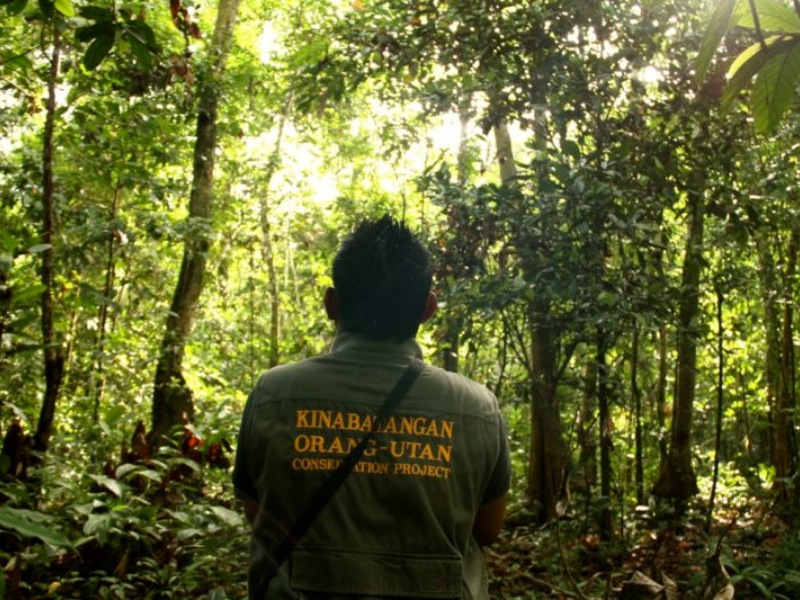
(53, 352)
(172, 399)
(774, 61)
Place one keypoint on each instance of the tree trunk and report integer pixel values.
(788, 403)
(172, 398)
(547, 474)
(677, 480)
(587, 436)
(606, 438)
(53, 354)
(452, 323)
(719, 414)
(637, 407)
(780, 363)
(97, 375)
(548, 453)
(267, 248)
(661, 395)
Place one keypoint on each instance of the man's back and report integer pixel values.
(401, 524)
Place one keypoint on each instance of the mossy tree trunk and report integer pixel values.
(172, 398)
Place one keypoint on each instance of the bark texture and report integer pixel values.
(172, 398)
(53, 353)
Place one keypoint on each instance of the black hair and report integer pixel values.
(382, 277)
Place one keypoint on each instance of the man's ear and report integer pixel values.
(332, 304)
(431, 304)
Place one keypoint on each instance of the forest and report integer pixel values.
(610, 194)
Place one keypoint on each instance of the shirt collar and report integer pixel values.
(354, 342)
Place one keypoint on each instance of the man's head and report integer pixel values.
(382, 282)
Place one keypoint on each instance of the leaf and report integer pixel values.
(90, 32)
(65, 8)
(21, 296)
(96, 13)
(755, 57)
(718, 26)
(746, 55)
(47, 7)
(125, 469)
(142, 54)
(17, 520)
(571, 149)
(187, 462)
(98, 50)
(39, 248)
(142, 32)
(16, 6)
(111, 485)
(775, 88)
(772, 16)
(97, 523)
(227, 516)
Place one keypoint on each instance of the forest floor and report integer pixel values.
(129, 543)
(752, 551)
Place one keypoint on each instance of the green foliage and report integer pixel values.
(29, 524)
(775, 59)
(167, 526)
(341, 121)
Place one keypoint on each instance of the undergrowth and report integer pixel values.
(85, 526)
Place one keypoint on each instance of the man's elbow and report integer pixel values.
(489, 521)
(250, 509)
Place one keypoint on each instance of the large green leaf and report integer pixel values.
(65, 8)
(775, 87)
(717, 27)
(20, 522)
(773, 17)
(16, 6)
(750, 62)
(98, 50)
(142, 54)
(91, 32)
(97, 13)
(110, 484)
(227, 516)
(143, 33)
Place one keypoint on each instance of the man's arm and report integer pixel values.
(250, 509)
(489, 520)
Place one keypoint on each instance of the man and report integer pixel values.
(430, 489)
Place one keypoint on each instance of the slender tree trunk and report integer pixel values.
(720, 398)
(267, 247)
(788, 398)
(606, 438)
(780, 362)
(636, 393)
(268, 255)
(97, 376)
(172, 398)
(547, 473)
(452, 323)
(777, 442)
(547, 461)
(677, 480)
(53, 353)
(587, 432)
(661, 395)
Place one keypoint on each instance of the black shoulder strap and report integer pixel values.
(328, 489)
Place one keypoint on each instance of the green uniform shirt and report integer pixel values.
(400, 525)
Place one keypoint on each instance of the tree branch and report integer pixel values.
(757, 23)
